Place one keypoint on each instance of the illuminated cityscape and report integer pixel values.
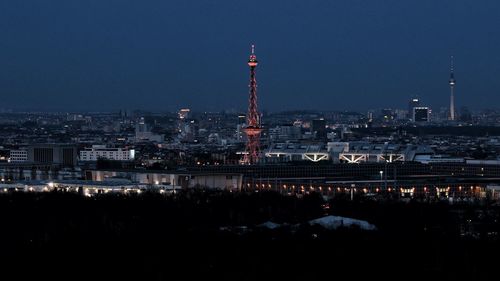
(134, 144)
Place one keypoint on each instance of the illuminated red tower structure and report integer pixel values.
(252, 129)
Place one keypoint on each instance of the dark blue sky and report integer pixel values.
(163, 55)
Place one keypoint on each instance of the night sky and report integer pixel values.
(164, 55)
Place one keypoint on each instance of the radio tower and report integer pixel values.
(452, 91)
(252, 129)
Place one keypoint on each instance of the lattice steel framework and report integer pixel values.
(252, 129)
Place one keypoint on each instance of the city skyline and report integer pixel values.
(230, 139)
(326, 56)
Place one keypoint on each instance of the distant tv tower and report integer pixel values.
(452, 83)
(252, 129)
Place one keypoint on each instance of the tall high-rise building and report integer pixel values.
(414, 102)
(452, 83)
(421, 114)
(143, 132)
(184, 113)
(465, 114)
(252, 129)
(240, 126)
(318, 129)
(387, 114)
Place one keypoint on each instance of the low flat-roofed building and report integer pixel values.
(298, 152)
(359, 152)
(428, 159)
(61, 154)
(97, 152)
(231, 181)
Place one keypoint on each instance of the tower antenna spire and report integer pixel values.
(452, 82)
(451, 64)
(253, 128)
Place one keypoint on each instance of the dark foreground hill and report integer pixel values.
(202, 235)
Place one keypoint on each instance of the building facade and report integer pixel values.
(61, 154)
(17, 156)
(97, 152)
(421, 114)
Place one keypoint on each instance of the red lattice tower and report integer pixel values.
(252, 129)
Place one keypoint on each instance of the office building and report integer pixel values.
(318, 129)
(18, 155)
(414, 102)
(102, 152)
(421, 114)
(61, 154)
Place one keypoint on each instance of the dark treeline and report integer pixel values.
(153, 237)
